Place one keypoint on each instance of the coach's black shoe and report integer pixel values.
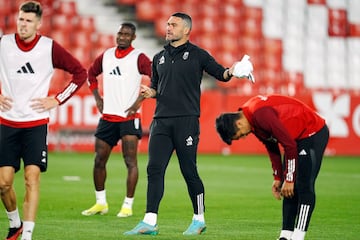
(14, 233)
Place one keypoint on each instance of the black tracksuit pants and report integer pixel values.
(299, 208)
(179, 134)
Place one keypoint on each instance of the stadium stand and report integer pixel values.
(294, 45)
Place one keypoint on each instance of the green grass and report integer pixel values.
(239, 203)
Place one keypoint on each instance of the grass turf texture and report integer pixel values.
(238, 199)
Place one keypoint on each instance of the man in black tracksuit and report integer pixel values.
(177, 72)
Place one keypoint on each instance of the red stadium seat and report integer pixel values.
(11, 20)
(62, 37)
(83, 55)
(272, 54)
(209, 25)
(62, 22)
(251, 45)
(323, 2)
(168, 7)
(253, 13)
(160, 26)
(5, 8)
(105, 40)
(231, 26)
(272, 61)
(67, 8)
(232, 10)
(82, 39)
(337, 22)
(252, 27)
(271, 45)
(208, 42)
(229, 42)
(96, 51)
(354, 29)
(193, 8)
(85, 24)
(46, 26)
(147, 10)
(57, 82)
(210, 9)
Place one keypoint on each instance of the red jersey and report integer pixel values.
(281, 120)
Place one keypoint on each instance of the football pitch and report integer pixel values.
(238, 200)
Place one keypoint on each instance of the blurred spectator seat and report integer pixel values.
(354, 30)
(147, 10)
(63, 38)
(337, 23)
(84, 24)
(322, 2)
(62, 22)
(67, 8)
(5, 8)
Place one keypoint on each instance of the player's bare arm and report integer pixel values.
(135, 106)
(5, 103)
(44, 104)
(147, 92)
(99, 100)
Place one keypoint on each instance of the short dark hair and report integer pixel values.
(129, 25)
(225, 126)
(185, 17)
(31, 7)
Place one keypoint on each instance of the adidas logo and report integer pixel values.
(26, 69)
(303, 152)
(116, 71)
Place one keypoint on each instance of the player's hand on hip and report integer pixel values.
(5, 103)
(147, 92)
(43, 104)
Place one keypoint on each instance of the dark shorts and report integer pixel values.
(29, 144)
(112, 132)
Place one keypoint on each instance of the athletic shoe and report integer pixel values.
(125, 212)
(196, 228)
(282, 238)
(143, 228)
(14, 233)
(96, 209)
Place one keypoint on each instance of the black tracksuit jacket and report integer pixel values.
(176, 76)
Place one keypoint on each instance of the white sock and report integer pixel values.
(101, 197)
(286, 234)
(199, 217)
(128, 202)
(28, 228)
(150, 218)
(298, 235)
(14, 218)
